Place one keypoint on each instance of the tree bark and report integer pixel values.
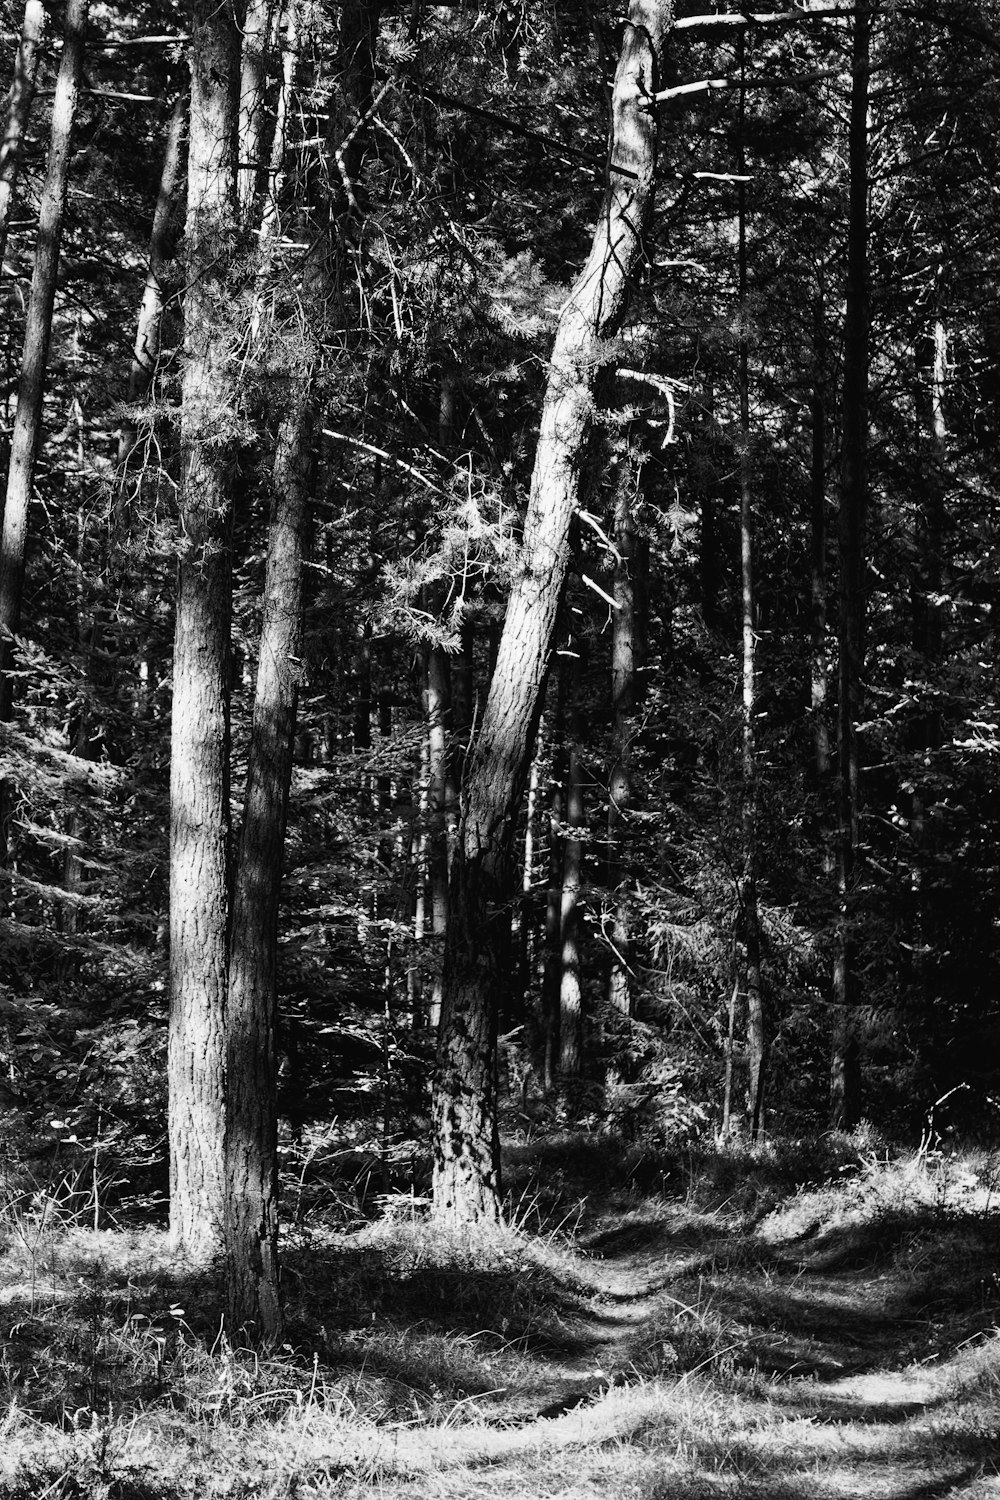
(37, 334)
(437, 711)
(819, 668)
(750, 909)
(19, 102)
(845, 1071)
(256, 53)
(251, 1218)
(146, 350)
(466, 1185)
(199, 749)
(623, 698)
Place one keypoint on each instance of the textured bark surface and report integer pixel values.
(845, 1069)
(146, 350)
(466, 1162)
(251, 1218)
(437, 712)
(19, 102)
(199, 746)
(254, 67)
(37, 333)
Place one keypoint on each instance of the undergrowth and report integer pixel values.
(661, 1299)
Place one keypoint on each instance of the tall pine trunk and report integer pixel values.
(466, 1179)
(19, 102)
(251, 1218)
(845, 1067)
(254, 66)
(37, 335)
(750, 909)
(199, 747)
(251, 1161)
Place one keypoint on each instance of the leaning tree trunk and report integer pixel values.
(19, 101)
(146, 349)
(845, 1066)
(37, 333)
(466, 1184)
(199, 746)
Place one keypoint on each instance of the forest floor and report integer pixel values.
(781, 1323)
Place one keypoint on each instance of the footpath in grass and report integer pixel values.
(796, 1321)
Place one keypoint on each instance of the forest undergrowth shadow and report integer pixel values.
(700, 1301)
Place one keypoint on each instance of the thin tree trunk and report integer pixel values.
(623, 696)
(256, 53)
(37, 334)
(437, 710)
(19, 102)
(251, 1217)
(199, 749)
(146, 350)
(552, 974)
(927, 583)
(819, 673)
(525, 926)
(570, 978)
(466, 1177)
(756, 1036)
(251, 1222)
(845, 1071)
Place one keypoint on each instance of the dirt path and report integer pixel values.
(810, 1384)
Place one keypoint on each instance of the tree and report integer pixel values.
(37, 333)
(199, 743)
(19, 102)
(466, 1156)
(845, 1065)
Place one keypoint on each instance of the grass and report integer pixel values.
(809, 1319)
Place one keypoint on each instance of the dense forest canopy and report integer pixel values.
(498, 581)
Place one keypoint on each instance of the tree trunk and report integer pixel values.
(37, 333)
(437, 708)
(845, 1073)
(756, 1036)
(251, 1221)
(19, 102)
(199, 749)
(570, 978)
(926, 586)
(819, 671)
(146, 350)
(251, 1216)
(464, 1119)
(552, 974)
(525, 923)
(256, 54)
(623, 696)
